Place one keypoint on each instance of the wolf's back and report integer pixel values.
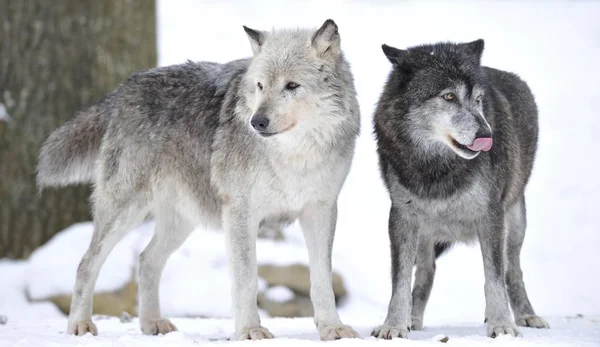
(69, 154)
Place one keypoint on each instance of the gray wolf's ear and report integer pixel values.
(395, 56)
(257, 38)
(474, 48)
(327, 40)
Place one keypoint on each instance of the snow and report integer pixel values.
(202, 259)
(14, 304)
(554, 46)
(580, 332)
(196, 279)
(3, 113)
(52, 268)
(279, 294)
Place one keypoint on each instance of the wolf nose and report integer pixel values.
(260, 123)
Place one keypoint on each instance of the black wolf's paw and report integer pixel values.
(389, 332)
(417, 323)
(495, 330)
(532, 322)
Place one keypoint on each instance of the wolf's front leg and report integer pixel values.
(423, 281)
(403, 241)
(318, 224)
(241, 231)
(492, 238)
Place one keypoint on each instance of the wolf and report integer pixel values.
(255, 142)
(456, 143)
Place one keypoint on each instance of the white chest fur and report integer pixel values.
(292, 181)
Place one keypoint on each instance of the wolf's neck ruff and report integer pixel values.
(432, 171)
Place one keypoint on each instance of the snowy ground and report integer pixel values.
(291, 332)
(554, 46)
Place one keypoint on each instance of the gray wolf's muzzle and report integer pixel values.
(260, 123)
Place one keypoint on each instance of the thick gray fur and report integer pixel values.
(178, 142)
(441, 191)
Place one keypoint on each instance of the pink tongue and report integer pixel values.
(482, 144)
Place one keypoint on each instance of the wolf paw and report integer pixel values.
(82, 328)
(158, 326)
(259, 333)
(417, 324)
(532, 322)
(389, 332)
(495, 330)
(336, 332)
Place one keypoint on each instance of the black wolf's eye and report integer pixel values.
(259, 85)
(291, 85)
(449, 97)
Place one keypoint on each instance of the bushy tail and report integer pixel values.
(69, 154)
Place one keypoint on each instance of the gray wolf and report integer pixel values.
(251, 143)
(456, 144)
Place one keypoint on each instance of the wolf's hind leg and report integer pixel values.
(423, 281)
(111, 221)
(170, 233)
(516, 223)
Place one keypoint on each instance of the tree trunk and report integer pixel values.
(57, 57)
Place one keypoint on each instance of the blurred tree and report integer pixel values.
(56, 57)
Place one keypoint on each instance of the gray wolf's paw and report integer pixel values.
(495, 330)
(336, 332)
(532, 322)
(417, 323)
(82, 328)
(259, 333)
(389, 332)
(157, 326)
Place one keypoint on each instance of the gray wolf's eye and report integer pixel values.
(291, 85)
(479, 98)
(449, 97)
(259, 85)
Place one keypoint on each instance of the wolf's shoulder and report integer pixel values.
(510, 86)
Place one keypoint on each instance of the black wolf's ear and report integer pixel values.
(395, 56)
(474, 48)
(257, 38)
(327, 40)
